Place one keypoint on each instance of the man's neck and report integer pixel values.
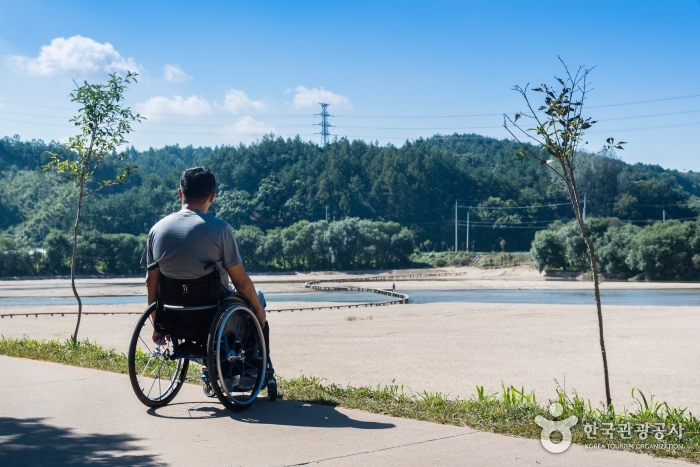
(193, 207)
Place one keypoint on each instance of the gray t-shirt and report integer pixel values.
(189, 245)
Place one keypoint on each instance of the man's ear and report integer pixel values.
(179, 193)
(212, 196)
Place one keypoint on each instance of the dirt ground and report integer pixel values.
(441, 347)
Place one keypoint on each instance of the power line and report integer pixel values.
(651, 115)
(63, 117)
(658, 127)
(373, 116)
(501, 113)
(517, 207)
(643, 102)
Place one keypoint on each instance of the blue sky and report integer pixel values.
(227, 72)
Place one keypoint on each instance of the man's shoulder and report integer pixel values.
(166, 222)
(215, 222)
(191, 217)
(190, 220)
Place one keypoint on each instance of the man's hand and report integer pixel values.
(241, 281)
(159, 339)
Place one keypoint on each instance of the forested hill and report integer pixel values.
(277, 182)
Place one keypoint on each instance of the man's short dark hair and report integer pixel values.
(197, 183)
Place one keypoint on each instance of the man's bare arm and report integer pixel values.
(241, 281)
(152, 283)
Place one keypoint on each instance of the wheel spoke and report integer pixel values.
(145, 344)
(238, 333)
(151, 388)
(145, 368)
(149, 360)
(224, 343)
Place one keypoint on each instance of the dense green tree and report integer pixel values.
(249, 238)
(548, 251)
(276, 183)
(663, 250)
(614, 248)
(58, 253)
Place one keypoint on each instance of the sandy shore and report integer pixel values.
(445, 347)
(523, 277)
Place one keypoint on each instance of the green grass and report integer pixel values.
(511, 411)
(492, 260)
(355, 318)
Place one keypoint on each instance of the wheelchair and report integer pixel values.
(225, 337)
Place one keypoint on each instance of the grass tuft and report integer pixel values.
(511, 411)
(355, 318)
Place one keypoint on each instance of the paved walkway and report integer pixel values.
(57, 415)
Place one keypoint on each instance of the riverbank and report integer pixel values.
(450, 278)
(439, 347)
(453, 347)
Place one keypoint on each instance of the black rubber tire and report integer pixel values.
(133, 377)
(272, 390)
(224, 309)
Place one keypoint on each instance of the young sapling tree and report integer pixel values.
(103, 122)
(555, 133)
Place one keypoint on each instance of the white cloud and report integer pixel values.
(175, 74)
(238, 101)
(304, 97)
(247, 126)
(157, 107)
(76, 53)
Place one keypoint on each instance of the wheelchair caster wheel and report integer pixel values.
(206, 385)
(272, 388)
(208, 391)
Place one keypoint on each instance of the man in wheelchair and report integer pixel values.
(190, 257)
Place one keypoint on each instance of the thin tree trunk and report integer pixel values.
(573, 194)
(73, 260)
(596, 285)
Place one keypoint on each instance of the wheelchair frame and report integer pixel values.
(235, 355)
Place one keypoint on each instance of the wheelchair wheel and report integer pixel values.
(272, 389)
(155, 376)
(236, 356)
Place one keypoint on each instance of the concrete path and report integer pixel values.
(57, 415)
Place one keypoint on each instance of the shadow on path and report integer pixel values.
(263, 412)
(32, 442)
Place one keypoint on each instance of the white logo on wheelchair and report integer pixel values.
(184, 289)
(551, 426)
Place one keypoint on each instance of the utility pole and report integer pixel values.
(664, 216)
(324, 123)
(326, 213)
(467, 232)
(584, 207)
(456, 234)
